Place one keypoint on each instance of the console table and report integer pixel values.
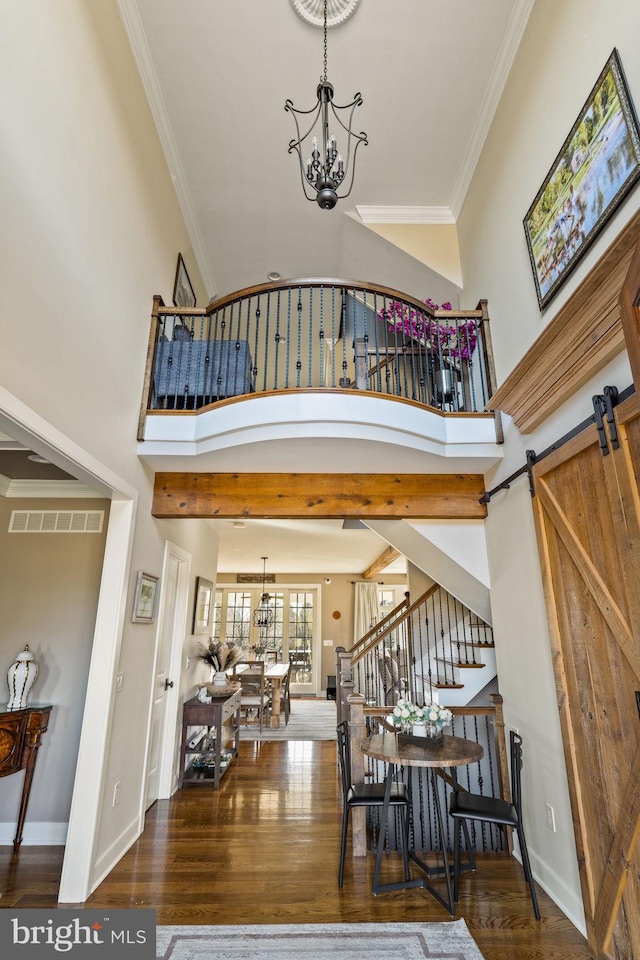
(20, 734)
(201, 756)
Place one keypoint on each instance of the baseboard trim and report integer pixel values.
(35, 834)
(559, 891)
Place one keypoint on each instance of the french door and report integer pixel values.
(587, 507)
(292, 633)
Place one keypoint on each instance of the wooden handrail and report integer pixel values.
(378, 626)
(389, 292)
(377, 640)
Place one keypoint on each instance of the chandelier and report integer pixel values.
(263, 615)
(326, 171)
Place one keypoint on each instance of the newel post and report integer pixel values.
(147, 385)
(358, 734)
(344, 683)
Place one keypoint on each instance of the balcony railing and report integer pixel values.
(318, 334)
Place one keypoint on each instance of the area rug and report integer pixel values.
(319, 941)
(308, 720)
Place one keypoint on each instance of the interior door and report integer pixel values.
(167, 616)
(587, 505)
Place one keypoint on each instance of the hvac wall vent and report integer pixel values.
(56, 521)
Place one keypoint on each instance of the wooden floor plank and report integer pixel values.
(264, 849)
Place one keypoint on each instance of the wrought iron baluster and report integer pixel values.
(298, 341)
(321, 337)
(266, 340)
(288, 340)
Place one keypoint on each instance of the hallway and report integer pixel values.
(265, 849)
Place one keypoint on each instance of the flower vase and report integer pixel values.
(433, 733)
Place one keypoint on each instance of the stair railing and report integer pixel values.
(315, 334)
(415, 652)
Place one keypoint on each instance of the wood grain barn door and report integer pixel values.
(587, 507)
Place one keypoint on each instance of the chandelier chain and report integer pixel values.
(325, 41)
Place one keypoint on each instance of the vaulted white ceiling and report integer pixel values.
(218, 72)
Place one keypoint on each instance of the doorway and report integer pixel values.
(293, 632)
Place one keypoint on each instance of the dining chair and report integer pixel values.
(465, 806)
(367, 795)
(285, 695)
(271, 656)
(254, 694)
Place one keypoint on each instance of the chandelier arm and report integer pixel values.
(295, 113)
(342, 196)
(297, 144)
(305, 183)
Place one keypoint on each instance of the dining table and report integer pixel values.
(276, 674)
(398, 750)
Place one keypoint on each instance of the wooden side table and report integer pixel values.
(20, 735)
(203, 762)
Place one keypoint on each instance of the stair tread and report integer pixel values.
(482, 643)
(457, 663)
(449, 686)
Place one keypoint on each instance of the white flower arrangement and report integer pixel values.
(406, 712)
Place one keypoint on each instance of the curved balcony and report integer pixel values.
(323, 357)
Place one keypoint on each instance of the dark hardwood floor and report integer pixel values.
(264, 849)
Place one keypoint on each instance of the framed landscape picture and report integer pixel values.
(596, 168)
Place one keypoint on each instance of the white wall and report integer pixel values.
(91, 230)
(564, 49)
(48, 593)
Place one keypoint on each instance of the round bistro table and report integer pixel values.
(398, 750)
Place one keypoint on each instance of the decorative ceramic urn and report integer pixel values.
(20, 678)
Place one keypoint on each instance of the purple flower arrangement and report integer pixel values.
(456, 341)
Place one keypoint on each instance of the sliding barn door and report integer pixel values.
(587, 506)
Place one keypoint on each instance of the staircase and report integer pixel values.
(435, 648)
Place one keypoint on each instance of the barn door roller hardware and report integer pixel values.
(603, 404)
(603, 417)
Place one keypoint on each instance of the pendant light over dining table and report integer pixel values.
(324, 170)
(263, 615)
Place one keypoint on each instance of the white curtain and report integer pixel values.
(366, 608)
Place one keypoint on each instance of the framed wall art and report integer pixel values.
(202, 606)
(144, 599)
(183, 293)
(596, 168)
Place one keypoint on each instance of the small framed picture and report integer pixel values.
(183, 295)
(144, 601)
(202, 605)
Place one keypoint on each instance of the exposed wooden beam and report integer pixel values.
(385, 558)
(300, 496)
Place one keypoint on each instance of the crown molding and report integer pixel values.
(142, 55)
(370, 214)
(47, 489)
(506, 55)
